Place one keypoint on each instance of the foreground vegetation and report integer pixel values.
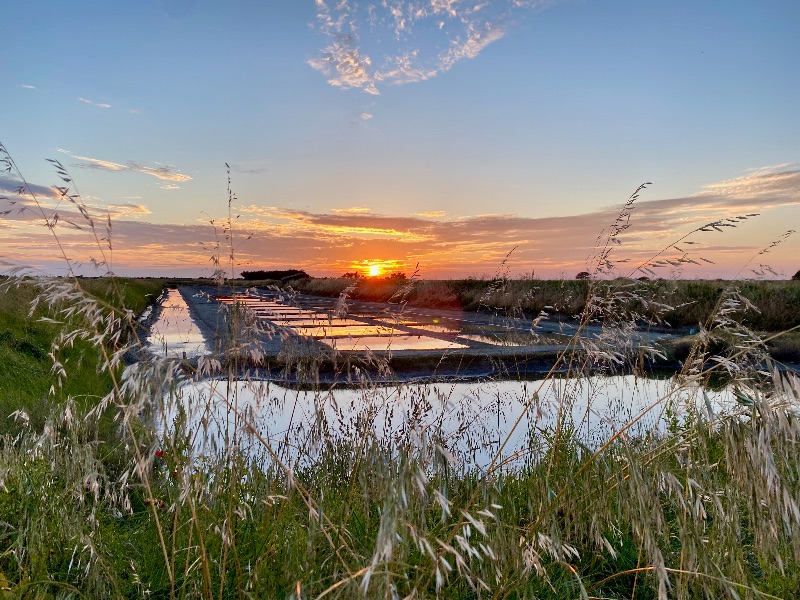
(116, 484)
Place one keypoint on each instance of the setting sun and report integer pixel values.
(374, 270)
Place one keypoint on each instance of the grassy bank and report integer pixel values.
(26, 341)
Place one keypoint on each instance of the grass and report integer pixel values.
(378, 494)
(26, 343)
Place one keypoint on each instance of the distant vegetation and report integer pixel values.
(285, 275)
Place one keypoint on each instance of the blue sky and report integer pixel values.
(439, 132)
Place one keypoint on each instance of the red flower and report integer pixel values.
(159, 454)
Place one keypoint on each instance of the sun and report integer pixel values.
(374, 270)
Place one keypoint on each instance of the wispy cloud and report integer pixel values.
(777, 181)
(365, 116)
(100, 165)
(163, 172)
(97, 104)
(344, 65)
(157, 170)
(18, 195)
(128, 209)
(431, 214)
(248, 171)
(263, 211)
(28, 86)
(406, 41)
(476, 40)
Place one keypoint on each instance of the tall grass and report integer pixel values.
(384, 498)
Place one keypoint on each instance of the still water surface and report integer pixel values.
(471, 419)
(175, 334)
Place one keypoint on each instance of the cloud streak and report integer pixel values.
(384, 43)
(128, 209)
(10, 187)
(158, 170)
(96, 104)
(353, 210)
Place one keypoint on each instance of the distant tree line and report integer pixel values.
(284, 275)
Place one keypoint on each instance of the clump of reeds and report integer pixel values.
(248, 489)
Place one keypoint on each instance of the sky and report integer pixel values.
(450, 138)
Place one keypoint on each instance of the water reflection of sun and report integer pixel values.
(374, 270)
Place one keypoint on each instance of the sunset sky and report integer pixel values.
(444, 133)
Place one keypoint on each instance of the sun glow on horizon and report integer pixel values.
(375, 267)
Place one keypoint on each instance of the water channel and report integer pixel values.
(174, 333)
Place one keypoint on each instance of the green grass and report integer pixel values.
(26, 342)
(272, 544)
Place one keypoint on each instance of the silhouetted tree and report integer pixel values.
(796, 276)
(583, 275)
